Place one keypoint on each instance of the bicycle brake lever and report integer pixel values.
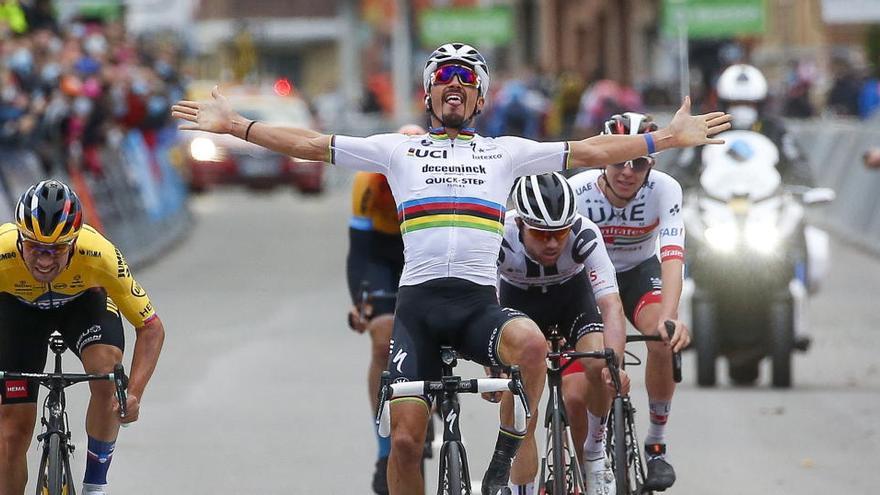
(120, 380)
(676, 356)
(518, 389)
(384, 383)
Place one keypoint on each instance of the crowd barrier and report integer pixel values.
(137, 200)
(835, 150)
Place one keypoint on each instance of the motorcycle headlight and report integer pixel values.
(722, 238)
(204, 150)
(762, 238)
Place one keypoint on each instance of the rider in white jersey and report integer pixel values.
(635, 207)
(450, 187)
(450, 194)
(631, 232)
(554, 268)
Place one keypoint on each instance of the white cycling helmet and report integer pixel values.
(457, 52)
(742, 82)
(545, 201)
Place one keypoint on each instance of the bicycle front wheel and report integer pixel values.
(51, 469)
(558, 457)
(618, 445)
(452, 481)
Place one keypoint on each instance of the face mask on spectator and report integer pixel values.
(139, 87)
(82, 106)
(21, 61)
(744, 116)
(163, 69)
(8, 93)
(50, 72)
(95, 45)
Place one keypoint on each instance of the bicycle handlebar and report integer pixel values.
(676, 356)
(47, 380)
(389, 391)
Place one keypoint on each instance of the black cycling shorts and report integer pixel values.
(377, 259)
(570, 306)
(638, 286)
(447, 311)
(24, 336)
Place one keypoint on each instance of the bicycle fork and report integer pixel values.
(572, 469)
(450, 411)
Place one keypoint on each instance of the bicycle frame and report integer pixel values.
(558, 359)
(445, 391)
(55, 475)
(634, 465)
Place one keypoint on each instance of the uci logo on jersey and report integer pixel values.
(426, 153)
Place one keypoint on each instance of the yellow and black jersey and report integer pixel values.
(372, 204)
(94, 263)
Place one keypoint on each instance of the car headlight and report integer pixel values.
(204, 150)
(762, 238)
(722, 238)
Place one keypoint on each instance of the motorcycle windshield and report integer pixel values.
(743, 167)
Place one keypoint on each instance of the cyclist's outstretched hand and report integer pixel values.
(694, 130)
(214, 115)
(681, 338)
(132, 406)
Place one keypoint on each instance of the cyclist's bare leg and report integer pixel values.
(586, 391)
(525, 464)
(658, 366)
(523, 344)
(101, 420)
(16, 431)
(379, 329)
(409, 422)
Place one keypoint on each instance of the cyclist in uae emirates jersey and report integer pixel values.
(637, 208)
(57, 273)
(553, 267)
(375, 256)
(450, 186)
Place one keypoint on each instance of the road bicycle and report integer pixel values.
(560, 471)
(454, 473)
(54, 476)
(622, 445)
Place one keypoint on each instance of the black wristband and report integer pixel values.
(248, 130)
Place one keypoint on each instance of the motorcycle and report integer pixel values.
(752, 261)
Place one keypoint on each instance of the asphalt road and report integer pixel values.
(261, 388)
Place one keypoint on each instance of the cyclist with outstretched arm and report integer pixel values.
(375, 257)
(450, 186)
(57, 273)
(638, 208)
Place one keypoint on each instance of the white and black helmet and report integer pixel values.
(742, 82)
(457, 52)
(545, 201)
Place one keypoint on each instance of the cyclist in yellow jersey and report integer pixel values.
(375, 256)
(58, 274)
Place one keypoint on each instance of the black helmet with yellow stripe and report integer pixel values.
(49, 212)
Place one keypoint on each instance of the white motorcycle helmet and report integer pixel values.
(742, 88)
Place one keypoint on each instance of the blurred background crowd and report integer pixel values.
(85, 85)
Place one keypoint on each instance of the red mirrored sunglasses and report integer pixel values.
(466, 75)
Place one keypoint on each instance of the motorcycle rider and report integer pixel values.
(742, 92)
